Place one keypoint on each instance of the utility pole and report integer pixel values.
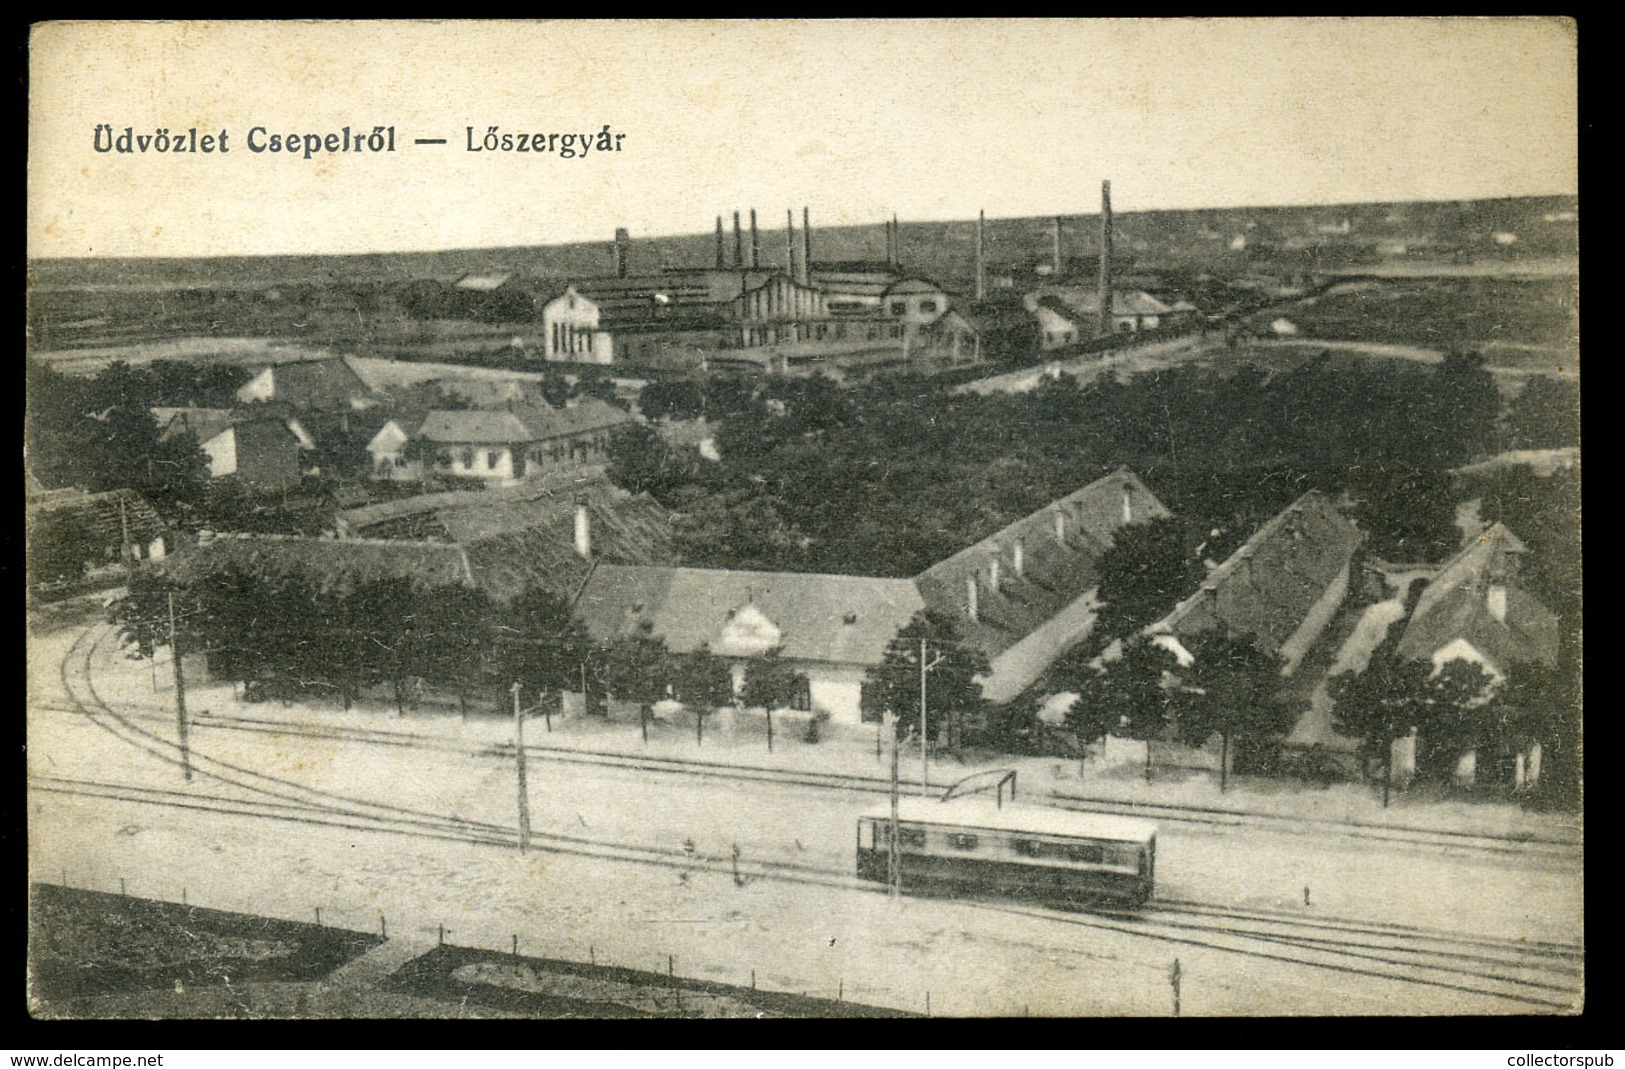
(180, 694)
(519, 754)
(924, 668)
(894, 861)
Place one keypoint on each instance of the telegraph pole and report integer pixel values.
(894, 861)
(180, 694)
(925, 780)
(519, 754)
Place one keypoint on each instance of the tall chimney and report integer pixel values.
(623, 250)
(1058, 259)
(1128, 503)
(1018, 560)
(583, 530)
(790, 244)
(755, 243)
(981, 270)
(1106, 257)
(896, 243)
(806, 245)
(739, 243)
(722, 256)
(970, 596)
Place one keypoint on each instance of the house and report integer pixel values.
(330, 565)
(546, 532)
(1474, 610)
(1079, 307)
(1059, 324)
(70, 531)
(387, 449)
(500, 446)
(571, 329)
(326, 383)
(831, 628)
(258, 450)
(779, 310)
(1282, 587)
(1024, 594)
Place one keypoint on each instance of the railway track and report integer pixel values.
(1523, 974)
(1556, 846)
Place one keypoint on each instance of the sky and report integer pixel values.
(856, 119)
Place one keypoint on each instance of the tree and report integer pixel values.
(538, 644)
(769, 682)
(639, 459)
(1380, 705)
(1230, 688)
(701, 679)
(952, 693)
(141, 616)
(1148, 568)
(1409, 513)
(672, 399)
(637, 668)
(1455, 717)
(1134, 693)
(1544, 415)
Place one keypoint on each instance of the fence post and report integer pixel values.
(441, 940)
(383, 926)
(318, 916)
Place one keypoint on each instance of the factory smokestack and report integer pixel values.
(722, 257)
(896, 244)
(806, 246)
(739, 243)
(1106, 257)
(755, 243)
(1058, 258)
(981, 269)
(623, 251)
(790, 244)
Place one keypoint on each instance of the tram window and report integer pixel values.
(1123, 855)
(960, 841)
(1029, 847)
(910, 837)
(1086, 853)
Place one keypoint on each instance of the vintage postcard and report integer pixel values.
(803, 519)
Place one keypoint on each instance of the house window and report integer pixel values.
(491, 459)
(928, 306)
(443, 458)
(468, 459)
(801, 699)
(899, 308)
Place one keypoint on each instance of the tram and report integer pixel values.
(970, 844)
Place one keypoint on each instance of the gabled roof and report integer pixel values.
(1456, 605)
(521, 423)
(484, 283)
(204, 424)
(1054, 572)
(1267, 587)
(102, 520)
(474, 426)
(524, 536)
(841, 619)
(331, 564)
(326, 382)
(912, 285)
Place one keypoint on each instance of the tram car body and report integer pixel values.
(973, 846)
